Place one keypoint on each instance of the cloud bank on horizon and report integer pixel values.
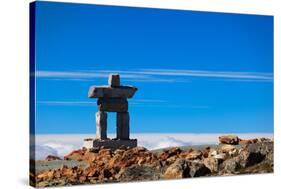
(60, 145)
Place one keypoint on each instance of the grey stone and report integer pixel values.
(212, 164)
(198, 169)
(123, 127)
(101, 125)
(248, 158)
(261, 147)
(230, 165)
(139, 173)
(179, 169)
(110, 143)
(117, 92)
(229, 139)
(114, 80)
(113, 104)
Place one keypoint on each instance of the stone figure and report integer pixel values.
(112, 98)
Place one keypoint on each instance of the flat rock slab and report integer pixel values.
(109, 92)
(229, 139)
(110, 143)
(41, 165)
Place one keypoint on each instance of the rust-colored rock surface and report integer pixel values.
(134, 164)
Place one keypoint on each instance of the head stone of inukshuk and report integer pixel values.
(112, 98)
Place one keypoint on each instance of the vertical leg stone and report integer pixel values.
(123, 127)
(101, 125)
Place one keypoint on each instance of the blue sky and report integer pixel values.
(196, 72)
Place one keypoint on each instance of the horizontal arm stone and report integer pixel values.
(108, 92)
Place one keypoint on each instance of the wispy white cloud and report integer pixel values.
(93, 102)
(156, 80)
(159, 75)
(132, 102)
(202, 73)
(66, 103)
(92, 75)
(81, 74)
(67, 74)
(148, 100)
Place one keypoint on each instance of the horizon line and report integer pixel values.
(158, 133)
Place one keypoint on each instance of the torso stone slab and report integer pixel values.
(113, 104)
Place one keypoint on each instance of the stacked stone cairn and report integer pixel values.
(112, 98)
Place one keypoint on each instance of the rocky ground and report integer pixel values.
(84, 166)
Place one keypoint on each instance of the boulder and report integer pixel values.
(169, 153)
(212, 164)
(229, 139)
(248, 158)
(250, 141)
(52, 158)
(45, 175)
(91, 172)
(198, 169)
(67, 171)
(195, 154)
(206, 152)
(226, 148)
(264, 148)
(179, 169)
(75, 155)
(229, 166)
(229, 150)
(139, 173)
(261, 140)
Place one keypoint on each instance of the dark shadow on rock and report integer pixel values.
(255, 158)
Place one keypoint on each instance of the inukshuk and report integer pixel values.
(112, 98)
